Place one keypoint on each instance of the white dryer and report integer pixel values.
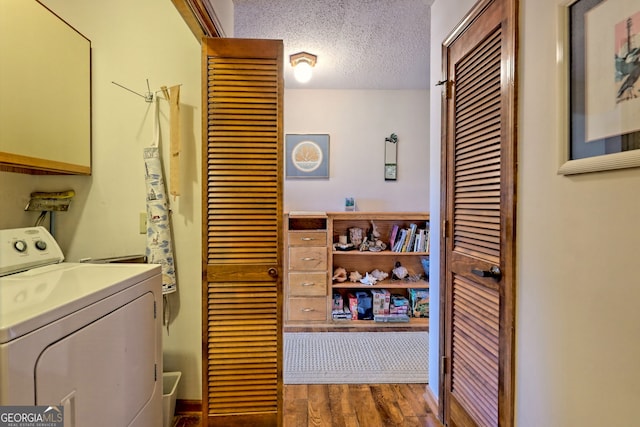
(84, 336)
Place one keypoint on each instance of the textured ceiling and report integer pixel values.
(360, 44)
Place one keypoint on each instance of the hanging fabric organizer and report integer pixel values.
(159, 246)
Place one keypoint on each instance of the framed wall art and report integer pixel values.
(599, 51)
(391, 158)
(307, 156)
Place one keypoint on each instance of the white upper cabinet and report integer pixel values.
(45, 92)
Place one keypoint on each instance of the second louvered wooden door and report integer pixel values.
(242, 232)
(479, 172)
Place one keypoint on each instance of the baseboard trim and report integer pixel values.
(432, 401)
(187, 406)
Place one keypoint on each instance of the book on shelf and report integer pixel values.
(403, 248)
(401, 239)
(426, 243)
(419, 243)
(411, 239)
(393, 236)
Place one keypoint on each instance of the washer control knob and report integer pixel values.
(41, 245)
(20, 245)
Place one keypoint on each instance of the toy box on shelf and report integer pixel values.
(419, 299)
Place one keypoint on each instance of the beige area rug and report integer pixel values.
(356, 357)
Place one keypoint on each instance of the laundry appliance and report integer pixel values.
(84, 336)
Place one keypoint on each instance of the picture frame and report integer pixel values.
(600, 122)
(307, 156)
(391, 158)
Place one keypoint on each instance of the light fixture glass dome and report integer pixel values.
(303, 63)
(302, 71)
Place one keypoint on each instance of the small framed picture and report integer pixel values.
(307, 156)
(349, 204)
(600, 67)
(390, 171)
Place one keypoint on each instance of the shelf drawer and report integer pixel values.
(308, 309)
(307, 238)
(308, 258)
(308, 284)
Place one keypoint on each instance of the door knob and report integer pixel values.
(272, 272)
(493, 272)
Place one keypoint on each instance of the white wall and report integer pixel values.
(131, 42)
(223, 10)
(358, 121)
(578, 240)
(578, 243)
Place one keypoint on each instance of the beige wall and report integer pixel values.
(131, 42)
(578, 241)
(357, 122)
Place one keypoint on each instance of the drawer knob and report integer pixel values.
(308, 284)
(307, 310)
(307, 239)
(308, 259)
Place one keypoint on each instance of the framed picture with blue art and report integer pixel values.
(599, 49)
(307, 156)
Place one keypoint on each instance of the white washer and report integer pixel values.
(85, 336)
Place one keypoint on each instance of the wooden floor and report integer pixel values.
(349, 405)
(357, 405)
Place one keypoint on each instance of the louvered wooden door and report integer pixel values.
(242, 229)
(479, 209)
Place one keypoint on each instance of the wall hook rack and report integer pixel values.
(148, 97)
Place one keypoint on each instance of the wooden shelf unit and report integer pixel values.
(306, 260)
(367, 261)
(302, 307)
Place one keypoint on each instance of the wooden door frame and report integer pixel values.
(507, 311)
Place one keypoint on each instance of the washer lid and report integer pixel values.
(35, 298)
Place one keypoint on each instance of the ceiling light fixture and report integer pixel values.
(302, 64)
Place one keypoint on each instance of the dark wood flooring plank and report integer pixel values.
(415, 422)
(319, 410)
(339, 399)
(296, 413)
(365, 406)
(406, 407)
(388, 409)
(413, 395)
(295, 391)
(349, 405)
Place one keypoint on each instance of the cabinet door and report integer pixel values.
(45, 92)
(242, 231)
